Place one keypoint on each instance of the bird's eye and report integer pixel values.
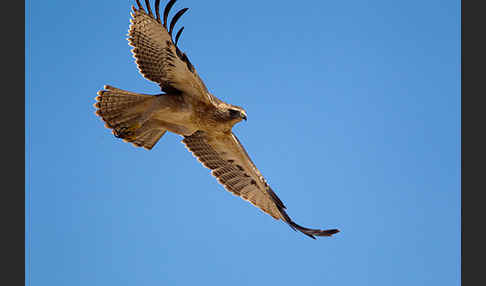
(234, 113)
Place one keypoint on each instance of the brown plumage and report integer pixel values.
(186, 108)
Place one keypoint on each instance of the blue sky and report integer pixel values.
(353, 118)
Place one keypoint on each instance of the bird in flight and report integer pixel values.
(186, 108)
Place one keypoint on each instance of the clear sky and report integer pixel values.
(353, 118)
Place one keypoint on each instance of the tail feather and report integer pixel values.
(149, 138)
(128, 115)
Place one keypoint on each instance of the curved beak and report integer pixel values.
(243, 116)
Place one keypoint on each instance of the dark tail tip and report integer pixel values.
(330, 232)
(312, 233)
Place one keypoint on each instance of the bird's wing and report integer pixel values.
(233, 168)
(157, 55)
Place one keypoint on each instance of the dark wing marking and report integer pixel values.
(233, 168)
(158, 58)
(178, 35)
(176, 17)
(167, 10)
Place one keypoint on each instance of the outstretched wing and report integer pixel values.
(157, 55)
(233, 168)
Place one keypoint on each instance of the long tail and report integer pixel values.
(128, 115)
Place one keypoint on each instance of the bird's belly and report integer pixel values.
(178, 122)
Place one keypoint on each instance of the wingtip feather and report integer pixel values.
(167, 10)
(310, 232)
(176, 17)
(140, 7)
(313, 232)
(147, 3)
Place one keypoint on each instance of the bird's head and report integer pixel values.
(236, 113)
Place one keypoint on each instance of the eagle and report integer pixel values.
(187, 108)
